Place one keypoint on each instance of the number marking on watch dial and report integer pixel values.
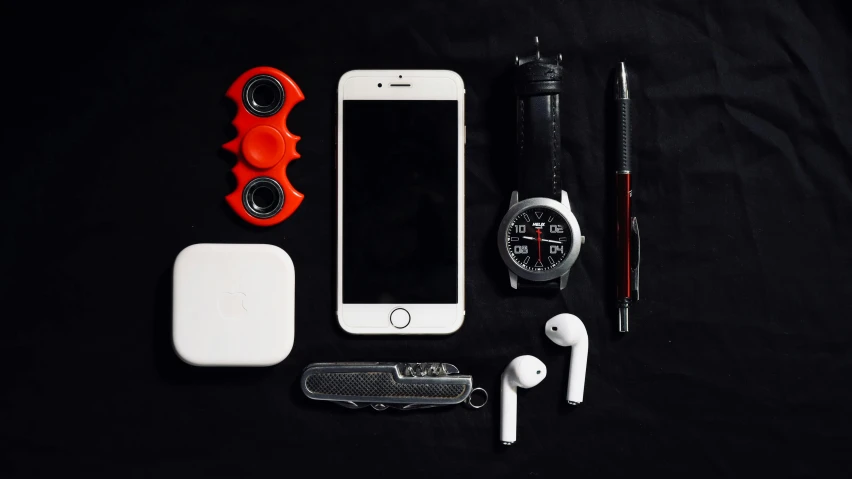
(536, 238)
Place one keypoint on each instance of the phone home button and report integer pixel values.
(400, 318)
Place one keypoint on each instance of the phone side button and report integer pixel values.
(400, 318)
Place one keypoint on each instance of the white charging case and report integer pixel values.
(233, 305)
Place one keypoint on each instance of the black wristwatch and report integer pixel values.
(539, 238)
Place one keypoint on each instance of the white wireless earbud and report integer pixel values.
(567, 330)
(525, 372)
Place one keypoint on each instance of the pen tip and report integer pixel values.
(621, 90)
(622, 318)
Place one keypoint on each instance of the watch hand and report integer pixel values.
(538, 232)
(542, 239)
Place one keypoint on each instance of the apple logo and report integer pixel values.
(232, 305)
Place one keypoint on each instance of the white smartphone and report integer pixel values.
(400, 202)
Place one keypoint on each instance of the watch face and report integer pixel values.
(538, 239)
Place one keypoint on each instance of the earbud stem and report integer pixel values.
(577, 372)
(508, 411)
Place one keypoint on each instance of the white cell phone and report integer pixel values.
(400, 202)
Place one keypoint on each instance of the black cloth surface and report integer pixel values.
(737, 362)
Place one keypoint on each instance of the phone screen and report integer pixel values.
(400, 201)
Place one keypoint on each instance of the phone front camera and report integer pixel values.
(380, 85)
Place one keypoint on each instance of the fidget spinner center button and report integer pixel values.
(263, 147)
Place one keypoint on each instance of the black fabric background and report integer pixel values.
(737, 363)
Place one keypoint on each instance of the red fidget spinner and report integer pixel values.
(264, 146)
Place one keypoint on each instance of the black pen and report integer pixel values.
(626, 224)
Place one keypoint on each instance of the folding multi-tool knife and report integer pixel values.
(403, 386)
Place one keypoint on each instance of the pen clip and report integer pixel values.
(634, 269)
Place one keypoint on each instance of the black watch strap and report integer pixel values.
(552, 285)
(538, 82)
